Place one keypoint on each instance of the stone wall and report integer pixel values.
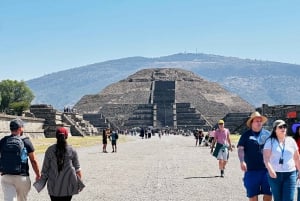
(33, 126)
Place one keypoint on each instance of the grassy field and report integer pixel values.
(234, 138)
(41, 144)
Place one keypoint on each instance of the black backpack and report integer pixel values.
(14, 155)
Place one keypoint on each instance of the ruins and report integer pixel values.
(159, 98)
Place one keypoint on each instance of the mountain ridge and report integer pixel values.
(258, 82)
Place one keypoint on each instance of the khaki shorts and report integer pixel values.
(223, 154)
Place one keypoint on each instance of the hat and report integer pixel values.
(62, 131)
(220, 121)
(278, 122)
(15, 124)
(255, 115)
(295, 126)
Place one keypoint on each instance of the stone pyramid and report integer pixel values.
(162, 97)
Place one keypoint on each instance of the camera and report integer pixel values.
(281, 161)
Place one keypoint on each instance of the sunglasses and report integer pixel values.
(282, 126)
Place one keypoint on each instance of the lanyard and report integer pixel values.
(282, 148)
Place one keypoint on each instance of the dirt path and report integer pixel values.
(170, 169)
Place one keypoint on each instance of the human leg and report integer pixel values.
(276, 186)
(265, 187)
(289, 185)
(22, 185)
(254, 198)
(252, 182)
(222, 157)
(9, 191)
(267, 197)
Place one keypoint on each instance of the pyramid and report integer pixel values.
(162, 97)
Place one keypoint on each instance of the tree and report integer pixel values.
(15, 97)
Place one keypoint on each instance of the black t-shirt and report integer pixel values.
(253, 149)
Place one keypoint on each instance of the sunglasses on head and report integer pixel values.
(282, 126)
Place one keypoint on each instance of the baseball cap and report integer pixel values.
(221, 122)
(62, 131)
(278, 122)
(15, 124)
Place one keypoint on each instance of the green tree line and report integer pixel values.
(15, 97)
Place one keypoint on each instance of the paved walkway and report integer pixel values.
(170, 169)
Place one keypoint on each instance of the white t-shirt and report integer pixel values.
(285, 150)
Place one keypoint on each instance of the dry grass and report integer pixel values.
(41, 144)
(234, 138)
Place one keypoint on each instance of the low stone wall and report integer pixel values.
(33, 126)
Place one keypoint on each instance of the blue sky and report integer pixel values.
(38, 37)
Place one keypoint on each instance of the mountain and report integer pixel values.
(258, 82)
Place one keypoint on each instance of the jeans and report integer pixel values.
(283, 186)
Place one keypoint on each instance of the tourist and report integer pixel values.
(223, 145)
(250, 153)
(281, 158)
(105, 133)
(114, 137)
(15, 180)
(296, 131)
(197, 137)
(61, 169)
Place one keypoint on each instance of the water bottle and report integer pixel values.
(298, 183)
(24, 155)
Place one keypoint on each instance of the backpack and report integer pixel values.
(14, 155)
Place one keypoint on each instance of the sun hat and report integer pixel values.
(255, 115)
(15, 124)
(62, 131)
(278, 122)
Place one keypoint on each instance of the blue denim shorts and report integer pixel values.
(256, 182)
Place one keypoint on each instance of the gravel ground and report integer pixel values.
(170, 168)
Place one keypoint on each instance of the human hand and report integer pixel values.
(272, 174)
(243, 166)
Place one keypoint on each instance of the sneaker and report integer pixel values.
(222, 173)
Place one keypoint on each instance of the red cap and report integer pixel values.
(62, 131)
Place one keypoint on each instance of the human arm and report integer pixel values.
(241, 155)
(76, 164)
(212, 145)
(35, 165)
(229, 141)
(267, 155)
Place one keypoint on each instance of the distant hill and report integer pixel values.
(255, 81)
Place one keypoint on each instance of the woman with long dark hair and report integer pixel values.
(61, 169)
(281, 158)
